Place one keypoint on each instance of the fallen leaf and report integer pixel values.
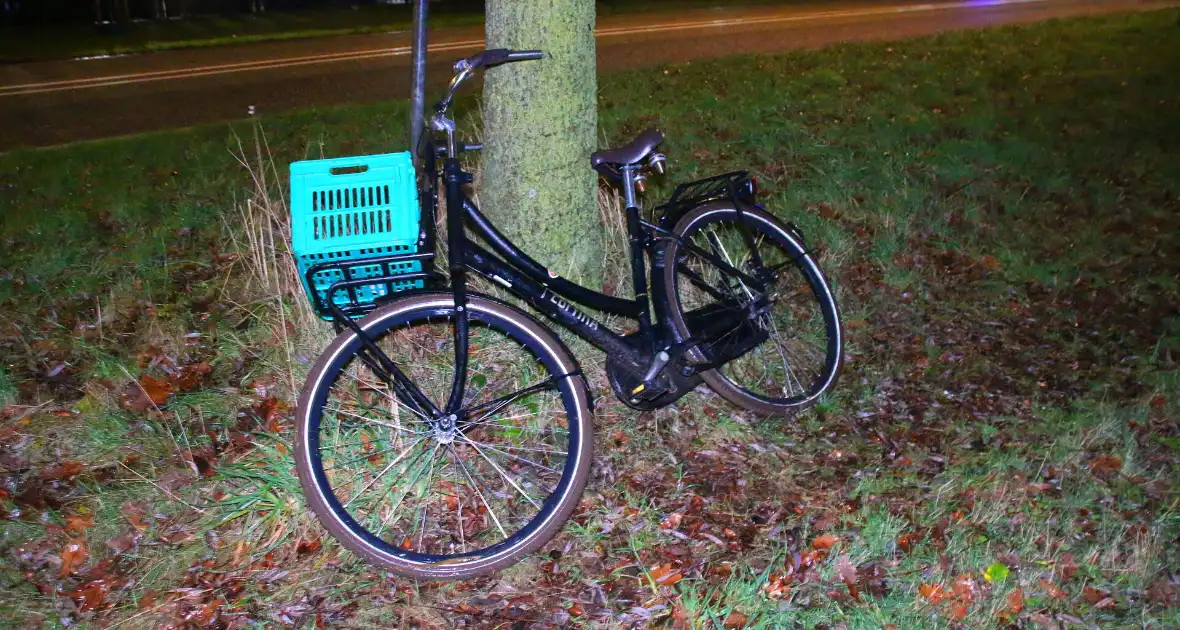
(1105, 465)
(665, 575)
(736, 620)
(1164, 592)
(1016, 601)
(124, 543)
(1054, 591)
(997, 572)
(92, 595)
(1105, 603)
(847, 572)
(933, 592)
(190, 376)
(307, 547)
(134, 513)
(204, 465)
(467, 609)
(965, 588)
(158, 391)
(825, 541)
(73, 556)
(957, 611)
(275, 413)
(78, 523)
(1092, 595)
(1044, 621)
(1067, 567)
(871, 577)
(672, 521)
(906, 541)
(63, 471)
(145, 395)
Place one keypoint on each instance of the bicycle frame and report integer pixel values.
(545, 292)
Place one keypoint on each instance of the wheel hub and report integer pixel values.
(446, 428)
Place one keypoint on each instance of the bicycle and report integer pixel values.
(448, 433)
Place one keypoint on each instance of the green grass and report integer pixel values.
(995, 208)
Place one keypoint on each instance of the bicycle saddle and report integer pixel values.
(631, 153)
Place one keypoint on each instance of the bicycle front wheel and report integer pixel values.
(741, 285)
(449, 497)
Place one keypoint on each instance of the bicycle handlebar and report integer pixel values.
(497, 56)
(464, 68)
(486, 59)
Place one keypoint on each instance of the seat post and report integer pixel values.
(629, 186)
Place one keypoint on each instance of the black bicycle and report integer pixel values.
(448, 433)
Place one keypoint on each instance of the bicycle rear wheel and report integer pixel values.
(742, 285)
(448, 497)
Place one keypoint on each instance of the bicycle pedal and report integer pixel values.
(647, 392)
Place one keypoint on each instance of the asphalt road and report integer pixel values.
(57, 102)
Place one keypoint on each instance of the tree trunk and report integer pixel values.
(122, 11)
(540, 125)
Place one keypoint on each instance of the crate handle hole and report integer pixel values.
(350, 170)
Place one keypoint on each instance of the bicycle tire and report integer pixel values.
(696, 285)
(340, 432)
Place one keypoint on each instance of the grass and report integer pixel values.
(996, 209)
(40, 43)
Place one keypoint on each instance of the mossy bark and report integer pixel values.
(540, 125)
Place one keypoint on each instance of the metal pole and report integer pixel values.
(418, 76)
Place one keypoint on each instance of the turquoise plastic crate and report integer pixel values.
(347, 210)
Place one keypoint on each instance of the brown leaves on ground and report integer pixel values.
(956, 601)
(146, 394)
(73, 556)
(847, 572)
(78, 523)
(1053, 590)
(1015, 601)
(1165, 592)
(735, 620)
(1098, 598)
(824, 542)
(1105, 466)
(665, 575)
(63, 471)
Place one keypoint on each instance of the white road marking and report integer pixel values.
(290, 62)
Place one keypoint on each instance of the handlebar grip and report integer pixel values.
(526, 55)
(498, 56)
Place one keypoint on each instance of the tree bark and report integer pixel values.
(540, 125)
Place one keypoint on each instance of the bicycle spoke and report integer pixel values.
(406, 493)
(502, 473)
(475, 486)
(508, 399)
(516, 457)
(384, 472)
(372, 421)
(393, 399)
(370, 456)
(425, 491)
(496, 423)
(786, 364)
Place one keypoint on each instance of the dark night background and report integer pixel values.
(28, 12)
